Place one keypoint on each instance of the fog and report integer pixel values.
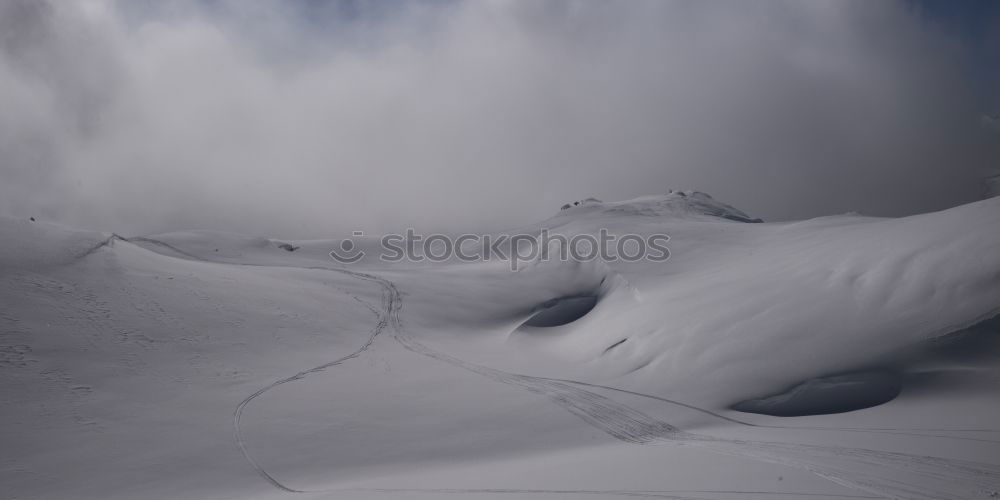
(311, 120)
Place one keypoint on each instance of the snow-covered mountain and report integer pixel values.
(209, 365)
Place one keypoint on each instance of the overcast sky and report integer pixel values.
(309, 119)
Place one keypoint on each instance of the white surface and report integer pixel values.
(121, 365)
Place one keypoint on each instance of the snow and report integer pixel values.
(561, 311)
(201, 364)
(992, 185)
(825, 395)
(675, 204)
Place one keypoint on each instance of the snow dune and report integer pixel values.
(208, 365)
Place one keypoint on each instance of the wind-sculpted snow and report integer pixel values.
(712, 321)
(893, 475)
(561, 311)
(235, 340)
(834, 394)
(889, 474)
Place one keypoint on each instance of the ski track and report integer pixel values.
(861, 469)
(388, 303)
(886, 474)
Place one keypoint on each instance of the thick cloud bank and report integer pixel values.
(298, 119)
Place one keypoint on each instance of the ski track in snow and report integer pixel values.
(389, 304)
(866, 470)
(886, 474)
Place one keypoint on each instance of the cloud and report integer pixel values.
(292, 119)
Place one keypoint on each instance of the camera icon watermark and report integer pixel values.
(348, 253)
(516, 249)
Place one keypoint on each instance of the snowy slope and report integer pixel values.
(210, 365)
